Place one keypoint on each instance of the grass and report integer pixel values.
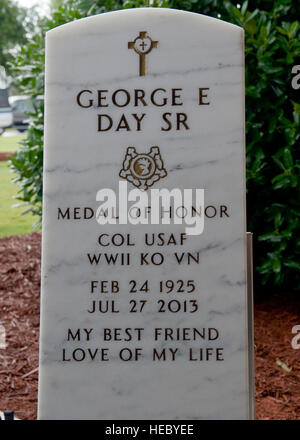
(10, 144)
(11, 220)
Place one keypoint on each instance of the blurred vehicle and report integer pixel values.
(21, 106)
(6, 116)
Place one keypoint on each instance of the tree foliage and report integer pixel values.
(12, 29)
(272, 47)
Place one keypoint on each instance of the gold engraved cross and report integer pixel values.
(143, 45)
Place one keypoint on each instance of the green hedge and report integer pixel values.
(272, 47)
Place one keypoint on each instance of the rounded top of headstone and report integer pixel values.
(126, 17)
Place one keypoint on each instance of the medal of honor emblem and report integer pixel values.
(143, 170)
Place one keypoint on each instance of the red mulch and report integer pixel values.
(19, 314)
(277, 391)
(4, 156)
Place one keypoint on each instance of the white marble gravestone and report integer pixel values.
(174, 342)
